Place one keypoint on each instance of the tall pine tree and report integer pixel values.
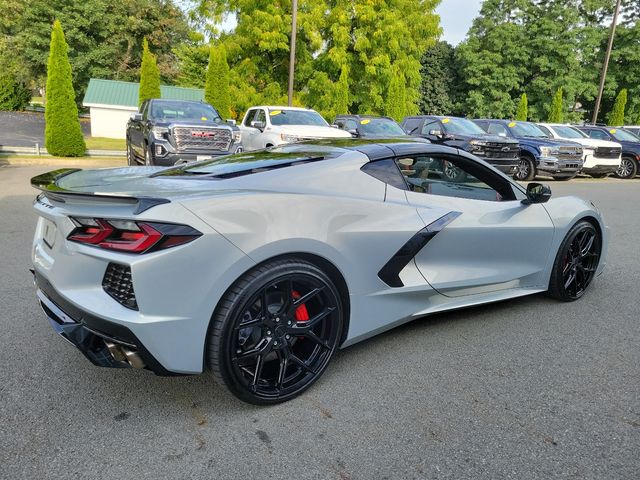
(523, 109)
(556, 112)
(616, 116)
(149, 75)
(62, 134)
(216, 89)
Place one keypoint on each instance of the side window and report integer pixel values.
(260, 116)
(412, 125)
(498, 129)
(453, 176)
(599, 134)
(546, 131)
(385, 171)
(351, 124)
(435, 125)
(144, 109)
(250, 116)
(339, 122)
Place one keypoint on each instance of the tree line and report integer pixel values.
(359, 56)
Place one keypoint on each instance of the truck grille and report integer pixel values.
(607, 152)
(117, 283)
(500, 150)
(202, 138)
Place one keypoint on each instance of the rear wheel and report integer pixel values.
(275, 331)
(628, 168)
(576, 262)
(452, 172)
(526, 170)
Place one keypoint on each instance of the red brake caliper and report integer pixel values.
(301, 312)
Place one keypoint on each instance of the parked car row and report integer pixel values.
(166, 132)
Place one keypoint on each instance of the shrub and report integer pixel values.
(216, 89)
(556, 114)
(149, 75)
(523, 109)
(14, 95)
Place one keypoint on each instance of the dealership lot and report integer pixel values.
(529, 388)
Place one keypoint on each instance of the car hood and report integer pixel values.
(311, 131)
(484, 138)
(194, 123)
(548, 142)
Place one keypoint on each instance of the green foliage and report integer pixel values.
(342, 91)
(396, 104)
(149, 75)
(104, 37)
(216, 90)
(63, 135)
(616, 116)
(439, 80)
(14, 95)
(523, 109)
(556, 112)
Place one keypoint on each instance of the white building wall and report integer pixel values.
(109, 122)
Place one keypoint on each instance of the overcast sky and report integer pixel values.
(456, 17)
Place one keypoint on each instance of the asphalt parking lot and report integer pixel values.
(525, 389)
(25, 129)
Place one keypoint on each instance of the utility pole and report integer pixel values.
(606, 62)
(292, 50)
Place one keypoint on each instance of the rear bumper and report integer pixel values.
(104, 343)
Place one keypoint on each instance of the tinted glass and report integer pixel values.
(568, 132)
(498, 129)
(461, 126)
(412, 125)
(250, 116)
(599, 134)
(432, 125)
(296, 117)
(526, 129)
(385, 171)
(169, 111)
(382, 127)
(624, 135)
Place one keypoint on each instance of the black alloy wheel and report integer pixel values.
(526, 170)
(453, 173)
(628, 168)
(275, 331)
(576, 262)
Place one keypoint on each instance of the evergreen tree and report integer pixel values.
(556, 113)
(616, 116)
(63, 135)
(342, 92)
(396, 96)
(13, 93)
(216, 89)
(523, 109)
(149, 75)
(439, 80)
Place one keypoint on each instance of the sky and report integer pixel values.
(456, 17)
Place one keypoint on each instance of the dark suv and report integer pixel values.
(560, 159)
(165, 132)
(369, 126)
(502, 153)
(630, 164)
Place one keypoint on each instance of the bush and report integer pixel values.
(523, 109)
(13, 94)
(616, 117)
(62, 135)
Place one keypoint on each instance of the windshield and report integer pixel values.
(623, 135)
(380, 127)
(568, 132)
(461, 126)
(169, 111)
(526, 129)
(296, 117)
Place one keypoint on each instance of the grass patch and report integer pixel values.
(100, 143)
(37, 100)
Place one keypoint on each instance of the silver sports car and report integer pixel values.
(260, 265)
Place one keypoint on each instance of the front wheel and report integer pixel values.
(526, 170)
(131, 160)
(576, 262)
(628, 168)
(148, 156)
(275, 331)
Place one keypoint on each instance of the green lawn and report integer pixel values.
(100, 143)
(37, 100)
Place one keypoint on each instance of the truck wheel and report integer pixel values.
(526, 170)
(453, 173)
(628, 168)
(148, 156)
(131, 161)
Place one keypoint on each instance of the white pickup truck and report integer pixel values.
(268, 126)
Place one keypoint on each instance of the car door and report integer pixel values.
(135, 132)
(249, 133)
(489, 240)
(428, 127)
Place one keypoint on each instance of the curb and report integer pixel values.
(65, 162)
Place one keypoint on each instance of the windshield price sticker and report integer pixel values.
(445, 120)
(512, 124)
(365, 121)
(275, 112)
(613, 130)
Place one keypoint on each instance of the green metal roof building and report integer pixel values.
(111, 102)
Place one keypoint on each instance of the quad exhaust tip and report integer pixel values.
(125, 355)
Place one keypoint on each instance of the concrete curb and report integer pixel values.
(82, 162)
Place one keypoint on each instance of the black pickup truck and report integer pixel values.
(502, 153)
(166, 132)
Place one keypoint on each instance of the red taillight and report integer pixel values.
(130, 236)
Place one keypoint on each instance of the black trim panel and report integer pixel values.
(390, 272)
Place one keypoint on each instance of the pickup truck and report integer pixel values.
(269, 126)
(630, 164)
(166, 132)
(601, 157)
(560, 159)
(500, 152)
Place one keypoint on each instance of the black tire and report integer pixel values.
(131, 159)
(576, 262)
(598, 175)
(526, 169)
(258, 319)
(148, 156)
(628, 168)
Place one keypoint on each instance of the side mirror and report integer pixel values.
(435, 133)
(231, 121)
(259, 124)
(537, 193)
(136, 117)
(353, 132)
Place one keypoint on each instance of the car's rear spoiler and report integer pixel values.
(48, 184)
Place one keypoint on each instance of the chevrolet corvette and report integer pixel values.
(259, 266)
